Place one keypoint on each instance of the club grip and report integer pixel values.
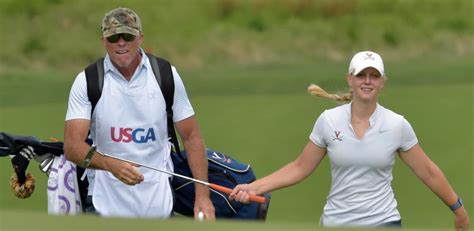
(253, 198)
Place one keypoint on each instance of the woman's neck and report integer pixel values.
(362, 110)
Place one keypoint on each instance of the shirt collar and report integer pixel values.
(373, 117)
(108, 66)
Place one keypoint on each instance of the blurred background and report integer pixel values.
(246, 65)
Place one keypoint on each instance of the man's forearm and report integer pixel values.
(78, 152)
(198, 164)
(75, 151)
(75, 147)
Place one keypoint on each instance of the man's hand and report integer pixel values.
(125, 172)
(204, 204)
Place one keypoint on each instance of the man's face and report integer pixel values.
(121, 51)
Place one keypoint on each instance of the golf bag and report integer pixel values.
(222, 170)
(12, 145)
(62, 175)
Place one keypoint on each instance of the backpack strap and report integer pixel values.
(164, 76)
(95, 81)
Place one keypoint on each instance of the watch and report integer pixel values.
(87, 161)
(456, 205)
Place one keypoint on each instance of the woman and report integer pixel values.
(361, 139)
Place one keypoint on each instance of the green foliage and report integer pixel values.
(31, 9)
(65, 34)
(33, 45)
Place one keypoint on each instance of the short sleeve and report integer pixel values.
(79, 106)
(409, 138)
(182, 107)
(317, 135)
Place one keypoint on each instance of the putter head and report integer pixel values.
(45, 165)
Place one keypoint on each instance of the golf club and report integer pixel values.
(253, 198)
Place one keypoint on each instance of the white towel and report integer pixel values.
(63, 190)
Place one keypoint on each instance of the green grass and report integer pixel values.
(267, 123)
(15, 221)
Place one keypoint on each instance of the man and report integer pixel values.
(129, 121)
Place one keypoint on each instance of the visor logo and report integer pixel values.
(369, 56)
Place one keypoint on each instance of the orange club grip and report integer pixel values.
(253, 198)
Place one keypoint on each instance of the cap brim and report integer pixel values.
(359, 69)
(120, 30)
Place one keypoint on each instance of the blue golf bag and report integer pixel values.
(225, 171)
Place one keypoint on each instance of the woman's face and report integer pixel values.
(366, 85)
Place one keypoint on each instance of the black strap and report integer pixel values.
(95, 81)
(164, 76)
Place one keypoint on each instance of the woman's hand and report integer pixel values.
(461, 219)
(242, 192)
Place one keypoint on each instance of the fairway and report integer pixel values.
(268, 130)
(15, 221)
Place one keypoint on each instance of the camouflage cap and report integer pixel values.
(121, 20)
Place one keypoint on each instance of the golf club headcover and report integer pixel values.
(21, 184)
(22, 190)
(20, 164)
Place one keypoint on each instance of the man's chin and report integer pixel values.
(122, 63)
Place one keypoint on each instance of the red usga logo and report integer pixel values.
(137, 135)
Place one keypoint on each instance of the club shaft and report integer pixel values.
(152, 168)
(253, 198)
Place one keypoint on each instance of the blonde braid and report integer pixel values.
(315, 90)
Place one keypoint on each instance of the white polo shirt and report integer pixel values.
(361, 169)
(129, 121)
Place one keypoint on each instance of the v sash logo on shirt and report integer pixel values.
(137, 135)
(337, 136)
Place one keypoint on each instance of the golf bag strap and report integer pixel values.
(164, 77)
(95, 81)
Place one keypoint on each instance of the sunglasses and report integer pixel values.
(116, 37)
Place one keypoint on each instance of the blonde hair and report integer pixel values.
(315, 90)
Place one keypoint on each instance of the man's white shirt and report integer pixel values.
(129, 121)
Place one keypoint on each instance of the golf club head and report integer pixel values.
(41, 158)
(46, 164)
